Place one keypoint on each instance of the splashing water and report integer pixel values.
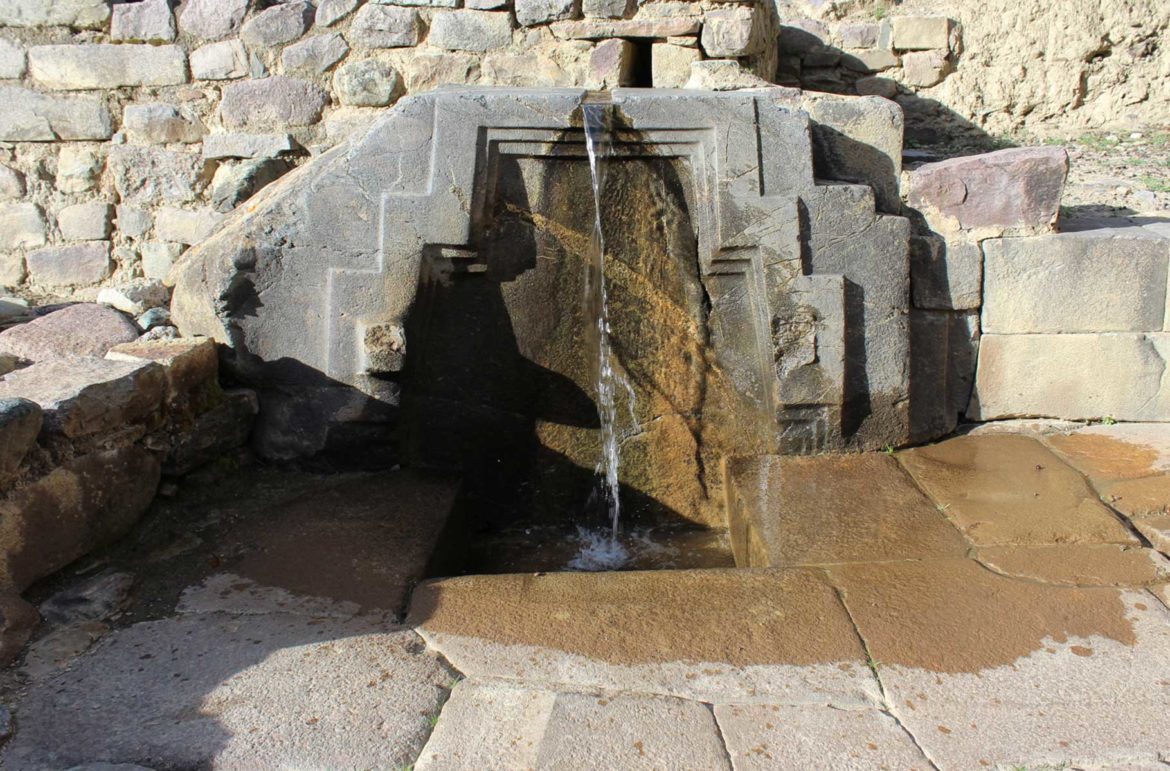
(597, 144)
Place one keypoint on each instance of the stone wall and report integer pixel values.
(131, 128)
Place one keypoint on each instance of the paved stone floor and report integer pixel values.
(998, 600)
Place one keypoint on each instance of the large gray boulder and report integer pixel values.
(316, 287)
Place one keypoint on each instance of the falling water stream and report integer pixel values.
(597, 551)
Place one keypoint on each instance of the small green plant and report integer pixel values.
(880, 11)
(1157, 184)
(1109, 420)
(888, 449)
(1099, 141)
(942, 507)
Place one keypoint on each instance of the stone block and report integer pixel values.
(471, 30)
(79, 14)
(218, 146)
(1008, 192)
(329, 12)
(184, 226)
(858, 35)
(191, 365)
(367, 83)
(874, 86)
(159, 123)
(215, 432)
(84, 504)
(212, 19)
(85, 221)
(148, 175)
(13, 60)
(20, 423)
(272, 102)
(962, 356)
(531, 12)
(29, 116)
(1090, 281)
(12, 271)
(729, 33)
(605, 9)
(722, 75)
(945, 275)
(872, 60)
(381, 26)
(78, 169)
(1072, 376)
(225, 60)
(316, 55)
(135, 296)
(486, 5)
(134, 222)
(922, 69)
(611, 64)
(147, 21)
(11, 184)
(96, 65)
(158, 257)
(799, 36)
(602, 29)
(919, 33)
(930, 409)
(278, 24)
(82, 264)
(84, 396)
(670, 65)
(858, 139)
(22, 226)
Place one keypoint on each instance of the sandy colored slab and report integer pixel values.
(365, 540)
(502, 726)
(991, 671)
(1120, 451)
(949, 615)
(239, 692)
(1079, 564)
(837, 508)
(1156, 530)
(1011, 490)
(764, 737)
(1144, 497)
(714, 635)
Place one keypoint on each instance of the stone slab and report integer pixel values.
(81, 14)
(219, 146)
(237, 691)
(85, 329)
(275, 101)
(1033, 375)
(601, 29)
(190, 364)
(34, 117)
(621, 631)
(85, 396)
(470, 30)
(1090, 281)
(1078, 565)
(95, 65)
(987, 671)
(790, 510)
(505, 726)
(81, 264)
(762, 737)
(1110, 453)
(1011, 490)
(1007, 192)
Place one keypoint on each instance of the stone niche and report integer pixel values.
(417, 294)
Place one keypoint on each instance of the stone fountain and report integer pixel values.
(415, 295)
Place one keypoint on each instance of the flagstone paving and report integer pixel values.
(999, 600)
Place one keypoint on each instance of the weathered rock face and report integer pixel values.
(753, 309)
